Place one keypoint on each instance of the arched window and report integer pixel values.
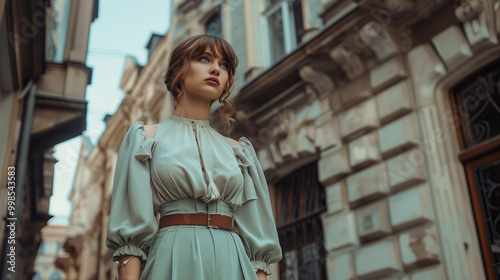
(477, 107)
(476, 104)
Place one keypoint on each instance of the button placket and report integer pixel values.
(199, 150)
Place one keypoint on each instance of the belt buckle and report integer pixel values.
(208, 221)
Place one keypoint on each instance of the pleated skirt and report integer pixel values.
(194, 252)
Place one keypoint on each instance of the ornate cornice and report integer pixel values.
(188, 5)
(469, 10)
(378, 39)
(350, 62)
(319, 80)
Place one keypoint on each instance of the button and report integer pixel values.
(192, 121)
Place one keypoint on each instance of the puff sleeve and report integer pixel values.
(255, 217)
(132, 223)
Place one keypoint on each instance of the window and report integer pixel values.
(284, 27)
(213, 26)
(477, 107)
(300, 202)
(476, 104)
(483, 175)
(57, 30)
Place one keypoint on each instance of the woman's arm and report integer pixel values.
(132, 224)
(261, 275)
(131, 269)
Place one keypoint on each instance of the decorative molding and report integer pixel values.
(401, 12)
(378, 39)
(188, 5)
(266, 159)
(335, 9)
(284, 124)
(478, 20)
(208, 12)
(349, 61)
(426, 70)
(469, 10)
(327, 132)
(319, 80)
(305, 129)
(452, 46)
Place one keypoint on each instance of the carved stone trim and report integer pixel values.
(208, 12)
(446, 177)
(350, 62)
(378, 39)
(426, 70)
(187, 5)
(319, 80)
(452, 47)
(469, 10)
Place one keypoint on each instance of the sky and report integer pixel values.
(123, 27)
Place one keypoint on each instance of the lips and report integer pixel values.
(215, 80)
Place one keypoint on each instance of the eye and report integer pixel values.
(226, 65)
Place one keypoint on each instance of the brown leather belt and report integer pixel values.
(211, 220)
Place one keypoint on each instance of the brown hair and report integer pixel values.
(178, 67)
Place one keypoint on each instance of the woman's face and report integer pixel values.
(203, 70)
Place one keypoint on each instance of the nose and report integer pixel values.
(215, 71)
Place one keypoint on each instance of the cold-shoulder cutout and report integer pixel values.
(150, 130)
(146, 147)
(232, 141)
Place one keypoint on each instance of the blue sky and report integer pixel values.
(123, 27)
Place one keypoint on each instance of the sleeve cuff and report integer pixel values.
(130, 250)
(260, 265)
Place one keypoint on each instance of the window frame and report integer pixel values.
(288, 25)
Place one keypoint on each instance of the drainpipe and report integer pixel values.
(101, 214)
(21, 164)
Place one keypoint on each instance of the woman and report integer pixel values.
(210, 190)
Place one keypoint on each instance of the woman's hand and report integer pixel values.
(261, 275)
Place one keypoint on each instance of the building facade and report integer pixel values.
(43, 49)
(376, 123)
(51, 247)
(85, 235)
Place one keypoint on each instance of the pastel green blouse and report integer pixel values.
(177, 165)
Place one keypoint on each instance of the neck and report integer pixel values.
(192, 108)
